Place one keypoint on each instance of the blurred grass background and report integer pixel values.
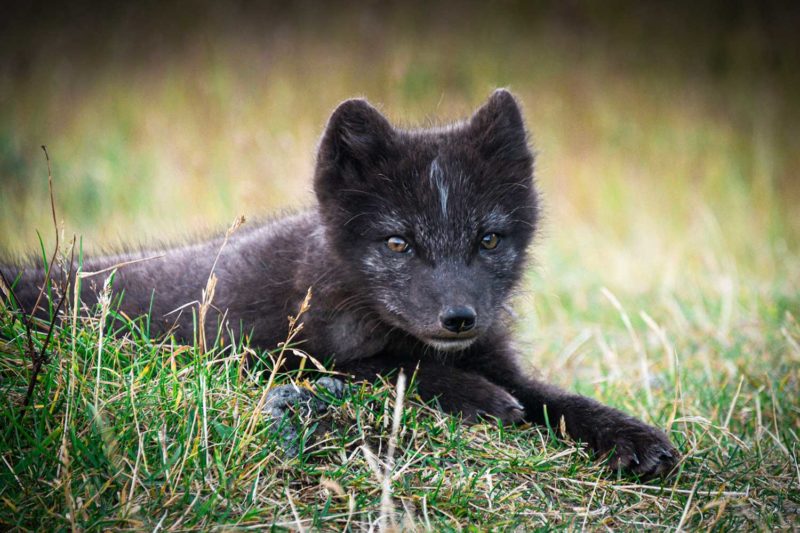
(657, 126)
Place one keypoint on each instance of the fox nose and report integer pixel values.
(458, 319)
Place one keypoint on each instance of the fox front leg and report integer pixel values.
(631, 445)
(456, 391)
(472, 396)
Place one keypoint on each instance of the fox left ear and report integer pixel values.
(499, 129)
(356, 136)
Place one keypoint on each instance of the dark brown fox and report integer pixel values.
(415, 245)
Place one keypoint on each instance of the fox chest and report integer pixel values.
(345, 336)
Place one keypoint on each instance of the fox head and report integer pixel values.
(435, 223)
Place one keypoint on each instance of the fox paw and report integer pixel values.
(637, 448)
(497, 404)
(287, 405)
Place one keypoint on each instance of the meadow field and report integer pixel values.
(665, 279)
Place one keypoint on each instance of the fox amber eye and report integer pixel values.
(397, 244)
(490, 240)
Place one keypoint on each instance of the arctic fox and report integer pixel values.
(416, 243)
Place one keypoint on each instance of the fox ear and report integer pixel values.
(499, 130)
(356, 137)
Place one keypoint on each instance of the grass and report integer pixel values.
(665, 279)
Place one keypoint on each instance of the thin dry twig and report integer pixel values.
(39, 358)
(116, 266)
(49, 266)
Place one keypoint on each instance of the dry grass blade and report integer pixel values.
(295, 327)
(208, 292)
(387, 519)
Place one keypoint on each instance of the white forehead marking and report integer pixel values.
(437, 177)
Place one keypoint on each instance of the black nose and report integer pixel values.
(458, 319)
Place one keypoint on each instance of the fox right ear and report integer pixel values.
(499, 129)
(357, 135)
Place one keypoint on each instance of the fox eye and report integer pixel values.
(397, 244)
(490, 241)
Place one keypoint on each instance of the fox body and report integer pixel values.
(417, 241)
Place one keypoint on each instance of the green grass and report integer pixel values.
(664, 281)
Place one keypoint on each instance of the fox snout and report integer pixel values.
(458, 319)
(457, 328)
